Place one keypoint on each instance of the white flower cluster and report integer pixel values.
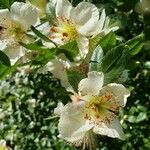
(93, 109)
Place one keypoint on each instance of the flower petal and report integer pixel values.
(72, 125)
(86, 16)
(103, 25)
(102, 20)
(3, 45)
(57, 110)
(58, 68)
(83, 45)
(14, 53)
(4, 14)
(63, 8)
(24, 13)
(113, 129)
(91, 85)
(118, 94)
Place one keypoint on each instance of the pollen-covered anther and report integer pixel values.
(86, 116)
(53, 29)
(65, 34)
(108, 97)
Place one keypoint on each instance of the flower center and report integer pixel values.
(97, 109)
(11, 31)
(65, 30)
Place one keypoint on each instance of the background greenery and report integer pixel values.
(27, 101)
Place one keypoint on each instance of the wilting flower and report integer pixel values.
(92, 111)
(13, 28)
(77, 23)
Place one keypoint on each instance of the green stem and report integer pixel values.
(51, 118)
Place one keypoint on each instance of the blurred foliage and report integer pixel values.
(27, 101)
(26, 108)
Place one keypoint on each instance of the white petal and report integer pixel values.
(14, 53)
(86, 16)
(57, 110)
(83, 45)
(103, 25)
(72, 125)
(118, 92)
(4, 14)
(3, 45)
(113, 130)
(102, 20)
(24, 13)
(63, 8)
(3, 145)
(143, 7)
(91, 85)
(58, 68)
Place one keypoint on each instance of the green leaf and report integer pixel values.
(70, 49)
(4, 59)
(129, 48)
(42, 58)
(96, 59)
(135, 45)
(111, 57)
(42, 36)
(5, 70)
(141, 117)
(74, 78)
(108, 41)
(35, 47)
(8, 3)
(50, 12)
(117, 69)
(43, 54)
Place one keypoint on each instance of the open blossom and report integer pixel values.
(143, 7)
(92, 110)
(13, 28)
(3, 145)
(58, 67)
(77, 23)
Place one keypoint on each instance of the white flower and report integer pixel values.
(58, 67)
(76, 23)
(93, 109)
(13, 27)
(3, 145)
(143, 7)
(103, 27)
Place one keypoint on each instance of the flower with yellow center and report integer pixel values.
(13, 28)
(75, 23)
(93, 109)
(79, 24)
